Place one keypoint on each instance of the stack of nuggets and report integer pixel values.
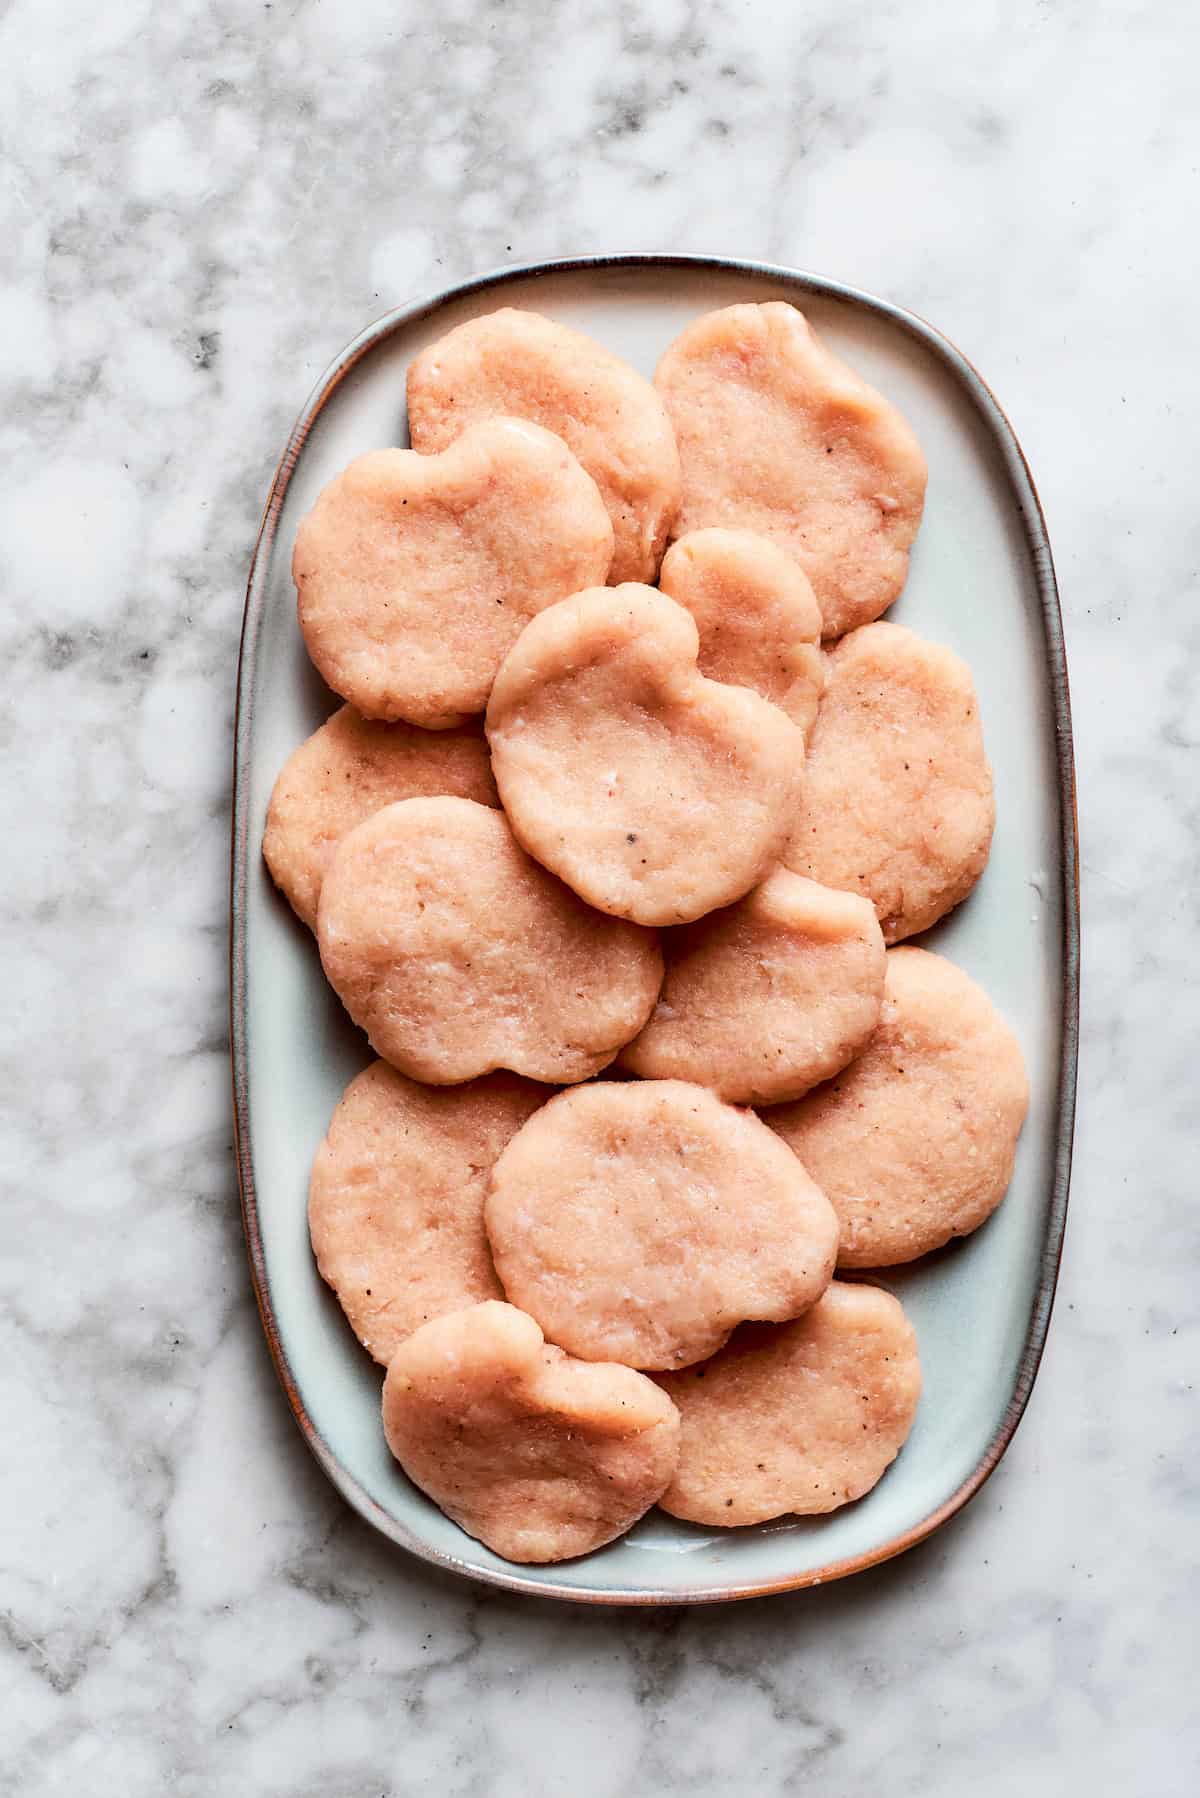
(599, 798)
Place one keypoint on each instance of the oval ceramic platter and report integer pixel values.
(981, 581)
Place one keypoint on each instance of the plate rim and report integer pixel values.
(1037, 540)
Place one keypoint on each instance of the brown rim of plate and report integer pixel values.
(1038, 542)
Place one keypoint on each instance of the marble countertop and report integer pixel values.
(201, 203)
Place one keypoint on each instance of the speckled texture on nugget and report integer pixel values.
(655, 793)
(457, 953)
(896, 801)
(914, 1142)
(527, 366)
(776, 434)
(350, 768)
(640, 1221)
(536, 1455)
(765, 999)
(799, 1418)
(395, 1203)
(414, 574)
(757, 615)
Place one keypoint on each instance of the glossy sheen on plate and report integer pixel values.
(981, 581)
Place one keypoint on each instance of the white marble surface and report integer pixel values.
(200, 203)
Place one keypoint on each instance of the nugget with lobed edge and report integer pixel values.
(414, 574)
(655, 793)
(776, 434)
(539, 1456)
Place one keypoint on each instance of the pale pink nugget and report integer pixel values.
(350, 768)
(798, 1418)
(758, 617)
(457, 954)
(655, 793)
(896, 801)
(609, 416)
(777, 435)
(395, 1203)
(768, 997)
(536, 1455)
(640, 1221)
(415, 574)
(914, 1142)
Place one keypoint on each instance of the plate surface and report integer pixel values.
(982, 581)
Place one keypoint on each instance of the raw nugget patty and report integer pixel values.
(777, 435)
(640, 1221)
(350, 768)
(757, 615)
(896, 801)
(395, 1203)
(914, 1141)
(457, 954)
(655, 793)
(796, 1418)
(608, 415)
(536, 1455)
(768, 997)
(414, 574)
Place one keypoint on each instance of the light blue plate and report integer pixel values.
(982, 581)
